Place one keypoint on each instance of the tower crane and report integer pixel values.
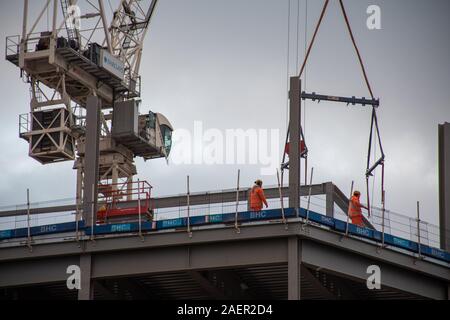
(82, 64)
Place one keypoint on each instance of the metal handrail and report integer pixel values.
(10, 43)
(24, 123)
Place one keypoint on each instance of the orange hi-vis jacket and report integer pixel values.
(355, 212)
(257, 199)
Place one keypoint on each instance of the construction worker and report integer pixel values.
(257, 197)
(101, 213)
(354, 209)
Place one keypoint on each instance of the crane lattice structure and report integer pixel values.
(82, 64)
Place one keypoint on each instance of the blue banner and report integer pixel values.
(119, 228)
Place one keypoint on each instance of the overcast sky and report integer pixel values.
(225, 63)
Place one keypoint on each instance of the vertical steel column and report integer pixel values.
(329, 192)
(91, 159)
(444, 185)
(294, 261)
(295, 114)
(86, 291)
(55, 19)
(25, 20)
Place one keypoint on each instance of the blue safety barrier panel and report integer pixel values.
(400, 242)
(119, 228)
(340, 225)
(360, 231)
(260, 215)
(228, 218)
(302, 212)
(6, 234)
(41, 230)
(434, 252)
(319, 218)
(198, 220)
(171, 223)
(216, 218)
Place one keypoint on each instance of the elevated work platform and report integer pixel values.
(45, 59)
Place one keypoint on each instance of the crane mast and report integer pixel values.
(85, 61)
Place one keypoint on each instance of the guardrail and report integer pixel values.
(12, 46)
(223, 202)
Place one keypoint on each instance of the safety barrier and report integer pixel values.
(274, 215)
(396, 224)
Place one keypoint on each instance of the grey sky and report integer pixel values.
(224, 63)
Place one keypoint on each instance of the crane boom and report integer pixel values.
(128, 30)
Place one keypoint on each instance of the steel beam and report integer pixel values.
(349, 100)
(200, 198)
(354, 267)
(294, 271)
(342, 202)
(316, 283)
(294, 141)
(186, 258)
(227, 284)
(137, 291)
(233, 286)
(220, 234)
(329, 193)
(212, 291)
(33, 272)
(103, 290)
(444, 185)
(258, 245)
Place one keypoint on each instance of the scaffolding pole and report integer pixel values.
(309, 194)
(188, 195)
(281, 198)
(236, 225)
(28, 221)
(348, 212)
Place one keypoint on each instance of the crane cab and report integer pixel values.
(148, 136)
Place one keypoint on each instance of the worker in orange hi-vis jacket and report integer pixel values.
(354, 209)
(257, 197)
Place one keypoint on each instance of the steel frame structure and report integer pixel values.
(223, 249)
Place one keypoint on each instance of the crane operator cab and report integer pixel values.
(155, 128)
(148, 135)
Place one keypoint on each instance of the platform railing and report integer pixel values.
(397, 224)
(12, 46)
(131, 81)
(24, 124)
